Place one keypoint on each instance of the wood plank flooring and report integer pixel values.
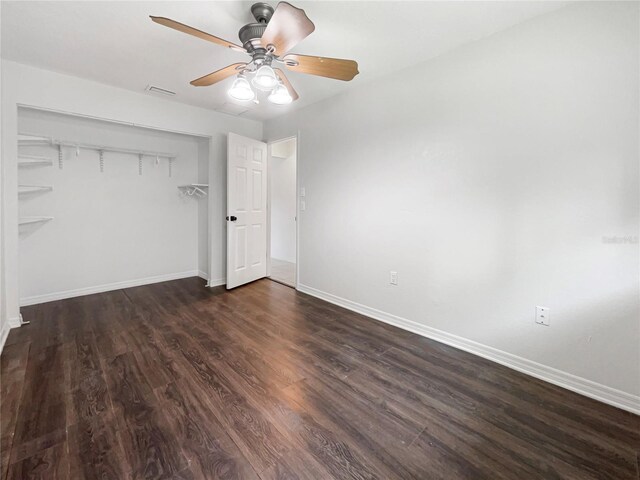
(176, 381)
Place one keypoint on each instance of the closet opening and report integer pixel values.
(106, 205)
(283, 248)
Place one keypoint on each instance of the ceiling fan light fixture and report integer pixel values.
(280, 96)
(276, 32)
(265, 78)
(241, 90)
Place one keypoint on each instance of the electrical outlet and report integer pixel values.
(303, 192)
(543, 316)
(393, 278)
(303, 206)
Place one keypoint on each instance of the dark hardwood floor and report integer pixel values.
(177, 381)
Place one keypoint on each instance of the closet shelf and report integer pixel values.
(29, 220)
(33, 161)
(198, 189)
(34, 188)
(32, 140)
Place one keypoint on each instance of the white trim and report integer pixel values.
(212, 283)
(580, 385)
(217, 282)
(109, 120)
(79, 292)
(298, 200)
(15, 321)
(4, 333)
(269, 163)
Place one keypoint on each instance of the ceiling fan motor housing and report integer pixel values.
(250, 36)
(251, 33)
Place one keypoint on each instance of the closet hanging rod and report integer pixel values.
(103, 148)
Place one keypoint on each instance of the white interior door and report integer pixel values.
(246, 210)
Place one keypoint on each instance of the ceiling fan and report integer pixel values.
(268, 42)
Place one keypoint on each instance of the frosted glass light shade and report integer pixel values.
(280, 96)
(241, 90)
(265, 78)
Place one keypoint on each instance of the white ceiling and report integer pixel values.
(116, 43)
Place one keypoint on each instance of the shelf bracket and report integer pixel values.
(139, 164)
(170, 166)
(60, 164)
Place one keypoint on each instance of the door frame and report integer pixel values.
(295, 137)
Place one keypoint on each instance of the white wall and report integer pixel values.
(488, 179)
(282, 186)
(31, 86)
(110, 227)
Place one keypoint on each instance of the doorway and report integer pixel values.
(282, 211)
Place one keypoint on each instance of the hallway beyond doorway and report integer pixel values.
(283, 272)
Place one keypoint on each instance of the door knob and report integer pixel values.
(232, 218)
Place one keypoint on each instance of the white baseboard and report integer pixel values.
(216, 282)
(79, 292)
(580, 385)
(212, 282)
(15, 322)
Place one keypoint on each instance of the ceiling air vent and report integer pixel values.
(163, 91)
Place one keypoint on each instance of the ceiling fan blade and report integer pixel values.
(322, 66)
(181, 27)
(218, 75)
(288, 26)
(283, 78)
